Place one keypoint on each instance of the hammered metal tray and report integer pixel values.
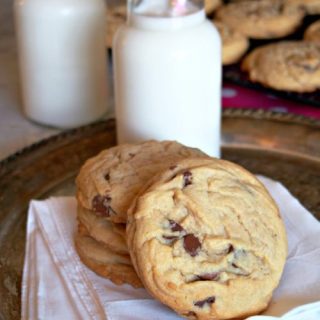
(281, 146)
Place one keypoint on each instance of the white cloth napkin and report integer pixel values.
(56, 285)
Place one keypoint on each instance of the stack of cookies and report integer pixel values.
(203, 235)
(106, 186)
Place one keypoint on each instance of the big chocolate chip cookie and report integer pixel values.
(108, 183)
(207, 239)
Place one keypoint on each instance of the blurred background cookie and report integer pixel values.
(312, 33)
(311, 6)
(287, 65)
(211, 5)
(261, 19)
(234, 44)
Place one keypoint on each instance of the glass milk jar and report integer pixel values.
(63, 63)
(167, 69)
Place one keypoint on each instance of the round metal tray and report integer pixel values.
(281, 146)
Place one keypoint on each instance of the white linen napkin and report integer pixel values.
(56, 285)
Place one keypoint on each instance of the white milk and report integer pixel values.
(168, 80)
(62, 60)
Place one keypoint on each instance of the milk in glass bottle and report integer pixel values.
(63, 65)
(167, 69)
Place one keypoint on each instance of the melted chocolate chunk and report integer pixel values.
(230, 249)
(170, 238)
(191, 244)
(187, 178)
(201, 303)
(107, 176)
(174, 226)
(310, 68)
(101, 205)
(190, 314)
(208, 276)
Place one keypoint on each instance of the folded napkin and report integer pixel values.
(56, 285)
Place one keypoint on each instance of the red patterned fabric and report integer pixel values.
(239, 97)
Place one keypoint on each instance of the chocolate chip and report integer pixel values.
(230, 249)
(173, 167)
(174, 226)
(208, 276)
(310, 68)
(187, 178)
(107, 176)
(234, 265)
(170, 238)
(190, 314)
(281, 7)
(101, 205)
(191, 244)
(201, 303)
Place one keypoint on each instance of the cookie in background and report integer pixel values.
(312, 33)
(261, 19)
(285, 65)
(211, 5)
(234, 44)
(310, 6)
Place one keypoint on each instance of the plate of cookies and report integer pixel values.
(189, 219)
(179, 246)
(282, 53)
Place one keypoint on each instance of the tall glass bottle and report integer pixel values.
(167, 69)
(62, 60)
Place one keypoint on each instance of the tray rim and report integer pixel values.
(67, 138)
(229, 112)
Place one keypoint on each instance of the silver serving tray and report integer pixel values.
(281, 146)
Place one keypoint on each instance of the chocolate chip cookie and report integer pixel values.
(287, 65)
(261, 19)
(211, 5)
(207, 240)
(112, 235)
(109, 182)
(234, 44)
(311, 6)
(313, 32)
(104, 262)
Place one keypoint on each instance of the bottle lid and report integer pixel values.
(164, 8)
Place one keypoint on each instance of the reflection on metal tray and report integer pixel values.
(281, 146)
(234, 74)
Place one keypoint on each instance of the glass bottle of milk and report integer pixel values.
(167, 70)
(63, 64)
